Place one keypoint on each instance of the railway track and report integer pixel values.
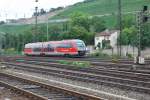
(139, 71)
(127, 68)
(94, 64)
(96, 60)
(121, 63)
(41, 91)
(138, 82)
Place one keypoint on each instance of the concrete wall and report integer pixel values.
(113, 39)
(129, 50)
(146, 53)
(125, 50)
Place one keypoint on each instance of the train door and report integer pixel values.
(42, 49)
(37, 48)
(49, 49)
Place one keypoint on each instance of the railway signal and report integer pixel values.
(145, 14)
(142, 18)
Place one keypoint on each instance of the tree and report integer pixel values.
(81, 20)
(83, 27)
(2, 22)
(129, 36)
(97, 24)
(42, 12)
(54, 30)
(81, 33)
(145, 36)
(128, 21)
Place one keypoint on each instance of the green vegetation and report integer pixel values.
(100, 7)
(99, 54)
(129, 35)
(115, 60)
(15, 29)
(10, 51)
(84, 28)
(77, 64)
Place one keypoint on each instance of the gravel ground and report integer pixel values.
(6, 94)
(95, 87)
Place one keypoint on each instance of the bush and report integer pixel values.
(115, 58)
(79, 64)
(129, 55)
(99, 54)
(11, 51)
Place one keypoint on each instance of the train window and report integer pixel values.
(65, 45)
(50, 47)
(36, 49)
(80, 44)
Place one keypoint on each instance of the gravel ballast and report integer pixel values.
(102, 91)
(6, 94)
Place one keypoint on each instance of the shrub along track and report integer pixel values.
(41, 91)
(125, 79)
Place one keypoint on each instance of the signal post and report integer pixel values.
(142, 19)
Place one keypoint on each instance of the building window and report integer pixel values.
(106, 44)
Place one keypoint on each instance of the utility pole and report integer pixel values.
(47, 30)
(36, 15)
(139, 34)
(120, 25)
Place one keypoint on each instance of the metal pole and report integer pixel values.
(47, 30)
(36, 8)
(120, 24)
(139, 35)
(36, 31)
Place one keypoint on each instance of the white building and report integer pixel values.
(107, 35)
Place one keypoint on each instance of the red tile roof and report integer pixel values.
(106, 33)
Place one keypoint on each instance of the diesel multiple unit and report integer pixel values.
(65, 47)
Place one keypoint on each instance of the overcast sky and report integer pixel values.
(13, 9)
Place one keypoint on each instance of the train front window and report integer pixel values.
(80, 45)
(65, 45)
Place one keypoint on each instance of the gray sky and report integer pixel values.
(13, 9)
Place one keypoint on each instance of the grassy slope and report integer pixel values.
(18, 29)
(14, 29)
(99, 7)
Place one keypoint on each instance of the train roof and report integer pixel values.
(39, 43)
(55, 41)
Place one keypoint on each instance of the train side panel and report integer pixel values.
(66, 48)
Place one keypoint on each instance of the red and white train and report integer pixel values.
(74, 47)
